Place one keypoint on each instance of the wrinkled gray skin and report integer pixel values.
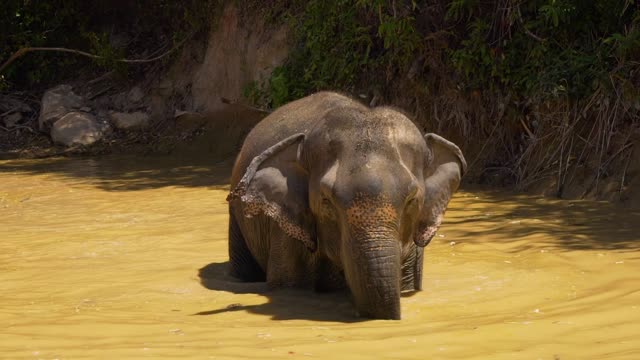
(327, 192)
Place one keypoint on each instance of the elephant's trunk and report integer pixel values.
(372, 269)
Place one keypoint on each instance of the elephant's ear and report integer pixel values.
(276, 185)
(445, 167)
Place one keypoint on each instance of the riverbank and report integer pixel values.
(551, 141)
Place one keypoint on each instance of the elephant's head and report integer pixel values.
(361, 188)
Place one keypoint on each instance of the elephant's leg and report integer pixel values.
(328, 276)
(418, 265)
(242, 264)
(412, 270)
(288, 264)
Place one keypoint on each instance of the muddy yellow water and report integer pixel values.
(125, 258)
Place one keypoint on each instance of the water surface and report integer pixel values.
(125, 258)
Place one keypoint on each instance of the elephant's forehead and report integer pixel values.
(362, 140)
(358, 133)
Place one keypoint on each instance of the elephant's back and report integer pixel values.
(299, 116)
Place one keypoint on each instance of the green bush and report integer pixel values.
(541, 48)
(339, 43)
(545, 47)
(88, 26)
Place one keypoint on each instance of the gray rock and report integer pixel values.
(135, 94)
(77, 128)
(188, 119)
(56, 103)
(12, 119)
(129, 121)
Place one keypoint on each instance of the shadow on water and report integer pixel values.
(193, 163)
(126, 173)
(473, 215)
(562, 224)
(283, 304)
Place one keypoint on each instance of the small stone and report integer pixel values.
(135, 94)
(12, 119)
(127, 121)
(76, 128)
(56, 103)
(188, 121)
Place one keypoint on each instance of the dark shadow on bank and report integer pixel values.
(126, 173)
(559, 224)
(283, 304)
(203, 160)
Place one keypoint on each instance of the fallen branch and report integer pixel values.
(17, 127)
(99, 92)
(624, 172)
(526, 128)
(26, 50)
(100, 78)
(231, 102)
(9, 112)
(527, 31)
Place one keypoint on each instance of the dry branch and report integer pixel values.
(26, 50)
(527, 31)
(17, 127)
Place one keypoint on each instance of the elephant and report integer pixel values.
(328, 193)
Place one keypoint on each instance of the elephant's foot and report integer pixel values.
(412, 271)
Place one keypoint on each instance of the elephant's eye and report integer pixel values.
(327, 210)
(326, 201)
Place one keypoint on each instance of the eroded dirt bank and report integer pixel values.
(125, 257)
